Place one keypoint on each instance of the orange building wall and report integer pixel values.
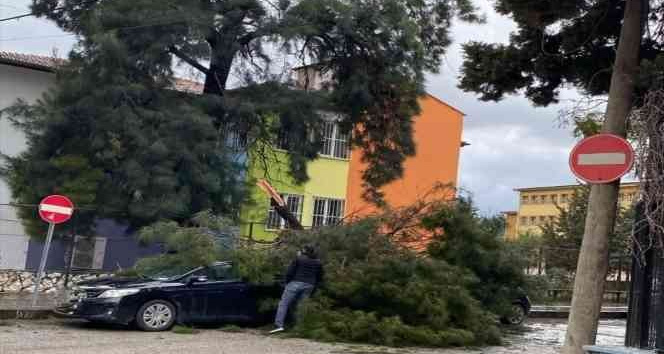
(437, 133)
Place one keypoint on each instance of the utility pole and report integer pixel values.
(592, 268)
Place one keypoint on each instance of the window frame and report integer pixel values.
(337, 142)
(272, 213)
(324, 219)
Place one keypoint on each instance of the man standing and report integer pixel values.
(304, 274)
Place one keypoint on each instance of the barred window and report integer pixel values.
(328, 211)
(235, 140)
(525, 199)
(524, 220)
(283, 141)
(294, 204)
(335, 142)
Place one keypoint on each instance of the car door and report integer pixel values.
(201, 308)
(230, 300)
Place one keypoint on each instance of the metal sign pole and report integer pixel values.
(42, 263)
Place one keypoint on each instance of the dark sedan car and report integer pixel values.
(206, 294)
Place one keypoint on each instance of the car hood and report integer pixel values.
(123, 282)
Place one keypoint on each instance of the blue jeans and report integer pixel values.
(295, 292)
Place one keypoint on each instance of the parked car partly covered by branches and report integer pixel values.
(210, 294)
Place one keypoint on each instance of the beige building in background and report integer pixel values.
(538, 206)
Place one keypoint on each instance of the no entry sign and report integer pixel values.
(601, 158)
(56, 209)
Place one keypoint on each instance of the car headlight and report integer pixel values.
(118, 293)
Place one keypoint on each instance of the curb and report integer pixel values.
(25, 314)
(563, 312)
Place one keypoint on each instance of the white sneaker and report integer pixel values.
(277, 330)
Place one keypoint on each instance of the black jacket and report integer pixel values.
(305, 270)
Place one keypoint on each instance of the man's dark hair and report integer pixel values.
(310, 251)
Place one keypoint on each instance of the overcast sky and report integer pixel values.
(513, 144)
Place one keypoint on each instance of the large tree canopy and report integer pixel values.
(148, 152)
(558, 43)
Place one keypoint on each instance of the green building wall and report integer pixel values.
(328, 178)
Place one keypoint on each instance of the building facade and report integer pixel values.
(538, 206)
(335, 187)
(25, 77)
(437, 133)
(112, 245)
(332, 192)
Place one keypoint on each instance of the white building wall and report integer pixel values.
(28, 84)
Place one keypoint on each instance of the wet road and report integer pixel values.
(546, 336)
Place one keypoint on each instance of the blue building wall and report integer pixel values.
(122, 249)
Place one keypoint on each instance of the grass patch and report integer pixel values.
(231, 329)
(184, 330)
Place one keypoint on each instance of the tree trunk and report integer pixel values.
(592, 268)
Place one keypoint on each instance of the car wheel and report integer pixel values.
(517, 315)
(155, 316)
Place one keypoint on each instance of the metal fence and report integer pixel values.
(645, 322)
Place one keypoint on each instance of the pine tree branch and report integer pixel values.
(189, 60)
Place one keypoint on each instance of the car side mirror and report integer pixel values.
(197, 279)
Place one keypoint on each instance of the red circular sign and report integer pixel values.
(56, 209)
(601, 158)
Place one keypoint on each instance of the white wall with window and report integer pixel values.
(295, 205)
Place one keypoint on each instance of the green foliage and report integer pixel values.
(376, 292)
(186, 247)
(256, 265)
(231, 329)
(588, 125)
(151, 153)
(559, 43)
(184, 330)
(465, 240)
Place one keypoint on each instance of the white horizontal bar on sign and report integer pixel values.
(605, 158)
(56, 209)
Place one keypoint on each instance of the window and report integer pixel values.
(218, 272)
(335, 142)
(554, 198)
(525, 199)
(524, 220)
(235, 140)
(88, 252)
(328, 211)
(533, 220)
(542, 220)
(563, 198)
(294, 203)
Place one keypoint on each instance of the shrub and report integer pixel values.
(468, 241)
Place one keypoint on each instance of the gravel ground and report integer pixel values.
(75, 337)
